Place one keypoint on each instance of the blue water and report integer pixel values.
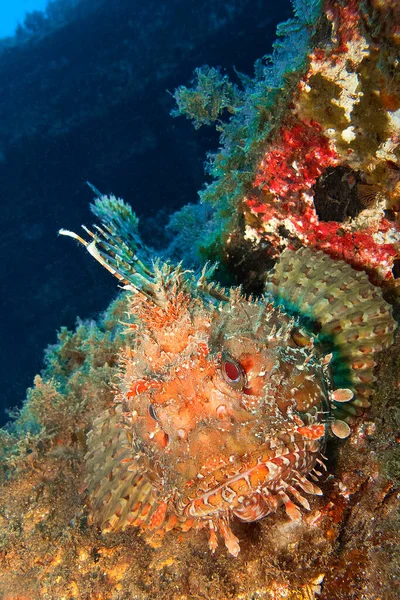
(13, 12)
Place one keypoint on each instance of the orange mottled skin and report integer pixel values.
(211, 447)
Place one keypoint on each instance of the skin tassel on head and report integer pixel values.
(224, 404)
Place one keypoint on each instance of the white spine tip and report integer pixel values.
(342, 395)
(340, 429)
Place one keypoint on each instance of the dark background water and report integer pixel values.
(88, 100)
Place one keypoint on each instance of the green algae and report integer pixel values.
(322, 102)
(255, 110)
(368, 116)
(73, 386)
(209, 95)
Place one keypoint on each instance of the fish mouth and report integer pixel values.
(249, 485)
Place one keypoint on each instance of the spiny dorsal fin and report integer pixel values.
(117, 246)
(209, 287)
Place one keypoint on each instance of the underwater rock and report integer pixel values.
(330, 172)
(318, 166)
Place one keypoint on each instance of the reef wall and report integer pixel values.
(310, 154)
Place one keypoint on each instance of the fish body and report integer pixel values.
(223, 403)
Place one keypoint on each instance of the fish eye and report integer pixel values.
(301, 337)
(152, 412)
(233, 373)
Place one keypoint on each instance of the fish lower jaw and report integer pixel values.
(252, 492)
(251, 495)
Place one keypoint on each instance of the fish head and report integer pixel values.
(228, 401)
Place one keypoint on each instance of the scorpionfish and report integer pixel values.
(223, 404)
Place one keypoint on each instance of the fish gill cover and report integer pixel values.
(191, 407)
